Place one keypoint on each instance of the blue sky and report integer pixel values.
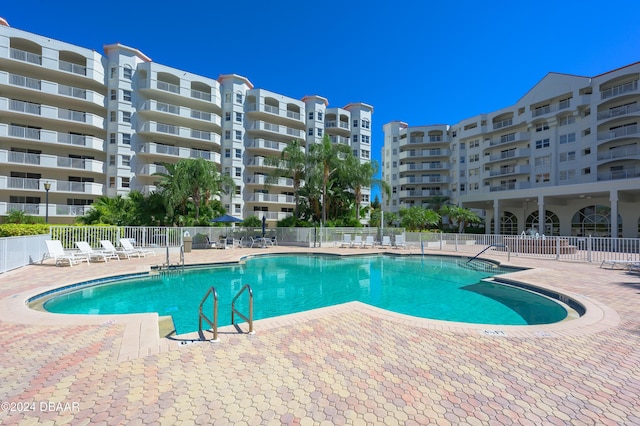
(421, 62)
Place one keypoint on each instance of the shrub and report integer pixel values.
(18, 230)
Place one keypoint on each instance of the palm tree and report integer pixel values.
(460, 216)
(326, 157)
(292, 163)
(112, 211)
(362, 175)
(191, 180)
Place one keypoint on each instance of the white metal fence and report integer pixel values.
(16, 252)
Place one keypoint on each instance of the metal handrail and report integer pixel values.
(201, 315)
(235, 311)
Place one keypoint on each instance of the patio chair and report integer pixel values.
(56, 252)
(108, 247)
(386, 241)
(346, 240)
(141, 252)
(369, 242)
(87, 250)
(623, 263)
(399, 242)
(357, 241)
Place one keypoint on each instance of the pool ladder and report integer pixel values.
(167, 265)
(213, 322)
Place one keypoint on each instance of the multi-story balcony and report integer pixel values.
(619, 153)
(177, 152)
(620, 132)
(512, 186)
(151, 169)
(20, 84)
(40, 209)
(418, 153)
(519, 169)
(28, 184)
(91, 69)
(262, 180)
(508, 155)
(274, 113)
(27, 109)
(620, 89)
(271, 128)
(271, 198)
(170, 112)
(264, 144)
(511, 138)
(152, 127)
(551, 109)
(425, 166)
(619, 111)
(51, 161)
(428, 139)
(332, 124)
(408, 180)
(271, 215)
(340, 139)
(628, 173)
(258, 162)
(417, 193)
(50, 137)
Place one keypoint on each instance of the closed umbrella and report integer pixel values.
(264, 226)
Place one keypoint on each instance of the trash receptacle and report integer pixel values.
(187, 240)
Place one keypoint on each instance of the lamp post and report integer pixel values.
(47, 187)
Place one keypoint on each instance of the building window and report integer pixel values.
(544, 143)
(238, 171)
(365, 139)
(365, 154)
(564, 103)
(319, 116)
(239, 98)
(112, 160)
(238, 134)
(227, 116)
(114, 72)
(112, 182)
(126, 95)
(568, 138)
(126, 160)
(237, 208)
(126, 138)
(566, 120)
(239, 117)
(542, 161)
(238, 153)
(128, 72)
(227, 97)
(567, 156)
(126, 116)
(310, 115)
(112, 116)
(125, 182)
(542, 178)
(227, 153)
(113, 95)
(354, 138)
(355, 123)
(112, 138)
(319, 132)
(227, 135)
(365, 124)
(542, 126)
(310, 131)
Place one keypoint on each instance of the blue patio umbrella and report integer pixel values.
(264, 226)
(225, 218)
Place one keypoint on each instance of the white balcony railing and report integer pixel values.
(22, 55)
(72, 68)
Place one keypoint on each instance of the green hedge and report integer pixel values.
(18, 230)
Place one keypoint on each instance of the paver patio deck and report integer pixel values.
(350, 364)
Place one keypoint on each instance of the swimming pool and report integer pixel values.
(428, 287)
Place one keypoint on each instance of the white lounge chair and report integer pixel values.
(357, 241)
(369, 242)
(139, 251)
(111, 249)
(386, 241)
(56, 252)
(399, 242)
(346, 240)
(87, 250)
(624, 263)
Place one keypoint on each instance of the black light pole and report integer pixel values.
(47, 187)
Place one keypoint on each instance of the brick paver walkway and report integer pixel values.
(350, 364)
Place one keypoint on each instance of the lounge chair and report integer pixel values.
(399, 242)
(626, 264)
(346, 240)
(141, 252)
(56, 252)
(357, 241)
(108, 247)
(87, 250)
(369, 242)
(386, 241)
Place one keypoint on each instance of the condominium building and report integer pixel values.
(76, 125)
(566, 152)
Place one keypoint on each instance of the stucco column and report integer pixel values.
(496, 216)
(613, 198)
(541, 215)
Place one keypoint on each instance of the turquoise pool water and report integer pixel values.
(429, 287)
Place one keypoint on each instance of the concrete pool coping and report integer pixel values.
(142, 331)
